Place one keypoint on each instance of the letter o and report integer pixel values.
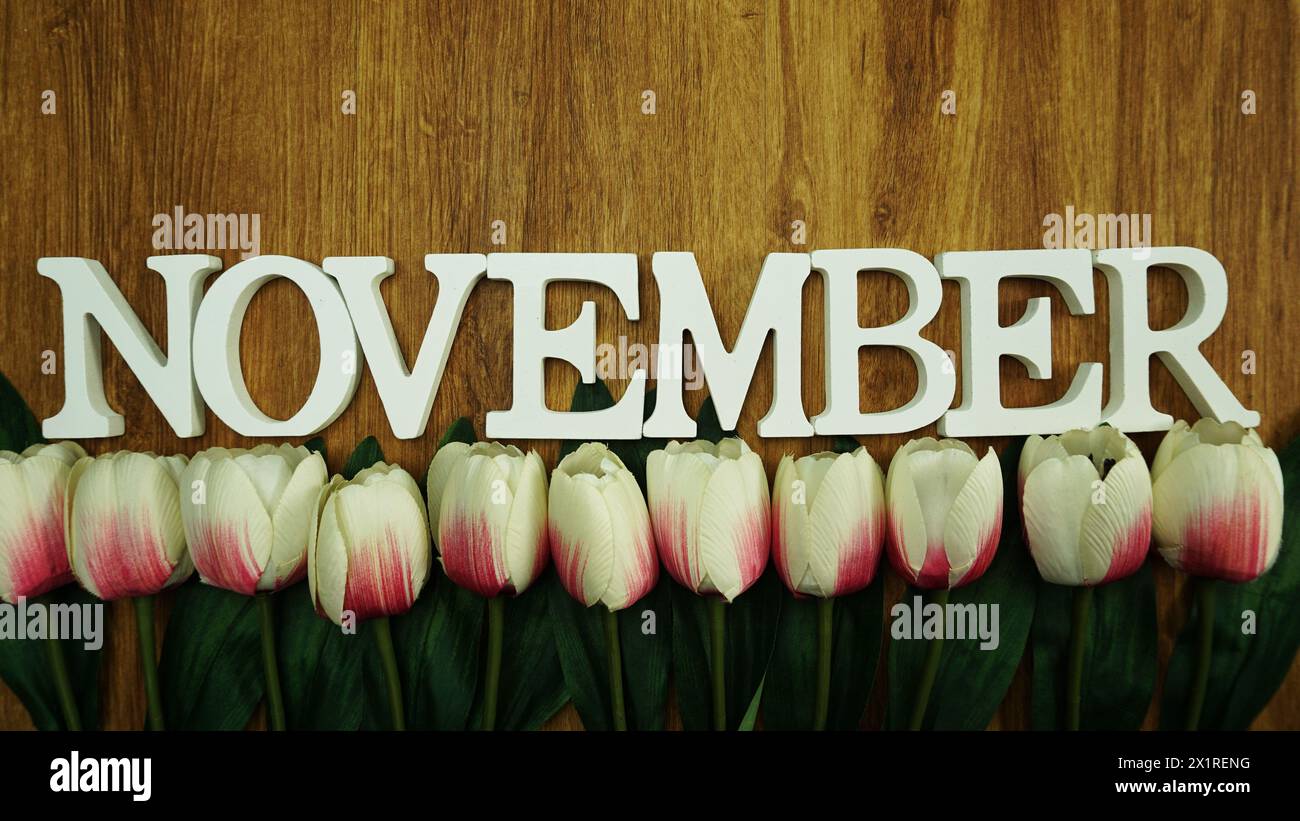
(217, 327)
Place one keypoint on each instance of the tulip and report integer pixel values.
(600, 530)
(1218, 501)
(710, 509)
(33, 552)
(1086, 505)
(828, 519)
(125, 538)
(1086, 502)
(601, 543)
(368, 556)
(1217, 516)
(711, 513)
(945, 517)
(487, 507)
(945, 512)
(247, 514)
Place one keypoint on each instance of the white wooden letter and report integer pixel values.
(216, 348)
(92, 302)
(407, 394)
(936, 384)
(528, 417)
(1132, 341)
(985, 342)
(774, 308)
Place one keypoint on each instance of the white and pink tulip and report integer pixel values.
(945, 512)
(247, 514)
(33, 551)
(123, 521)
(487, 507)
(1086, 506)
(600, 530)
(1218, 500)
(710, 511)
(828, 522)
(368, 545)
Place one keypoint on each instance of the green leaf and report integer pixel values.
(210, 672)
(707, 425)
(316, 444)
(855, 653)
(532, 685)
(462, 430)
(18, 426)
(580, 643)
(580, 633)
(750, 719)
(751, 623)
(320, 666)
(971, 682)
(25, 667)
(366, 454)
(437, 645)
(1246, 668)
(1119, 654)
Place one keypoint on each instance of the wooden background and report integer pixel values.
(531, 113)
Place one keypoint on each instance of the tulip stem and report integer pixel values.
(274, 699)
(718, 658)
(615, 670)
(931, 669)
(144, 628)
(1204, 644)
(59, 672)
(492, 680)
(1074, 672)
(384, 637)
(825, 625)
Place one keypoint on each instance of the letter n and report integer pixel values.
(91, 303)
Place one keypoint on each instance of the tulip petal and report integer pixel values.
(291, 523)
(908, 540)
(837, 517)
(789, 524)
(445, 461)
(1116, 533)
(581, 538)
(636, 568)
(327, 560)
(525, 547)
(472, 521)
(974, 522)
(229, 533)
(387, 548)
(33, 552)
(1217, 512)
(1056, 497)
(734, 531)
(126, 517)
(675, 513)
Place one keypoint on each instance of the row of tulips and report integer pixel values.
(255, 521)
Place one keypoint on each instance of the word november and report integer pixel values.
(202, 363)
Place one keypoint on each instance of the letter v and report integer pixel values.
(407, 394)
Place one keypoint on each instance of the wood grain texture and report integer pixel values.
(530, 113)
